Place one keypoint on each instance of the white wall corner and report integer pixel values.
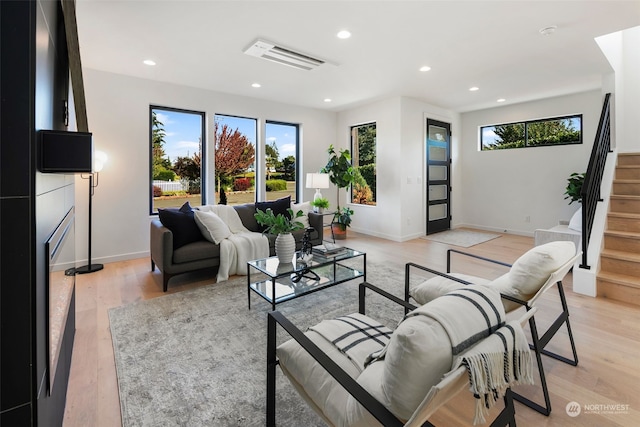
(584, 281)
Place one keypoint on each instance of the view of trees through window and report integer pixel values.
(176, 152)
(235, 159)
(363, 148)
(555, 131)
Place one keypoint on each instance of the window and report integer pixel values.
(235, 159)
(281, 163)
(534, 133)
(176, 148)
(363, 149)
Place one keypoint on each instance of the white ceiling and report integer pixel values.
(495, 45)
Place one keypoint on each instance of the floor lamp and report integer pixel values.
(98, 163)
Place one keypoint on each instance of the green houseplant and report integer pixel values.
(341, 174)
(573, 192)
(319, 204)
(282, 225)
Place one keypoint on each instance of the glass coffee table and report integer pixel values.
(284, 282)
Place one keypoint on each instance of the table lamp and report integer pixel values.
(317, 181)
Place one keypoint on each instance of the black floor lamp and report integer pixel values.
(99, 159)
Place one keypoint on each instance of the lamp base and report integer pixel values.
(318, 194)
(90, 268)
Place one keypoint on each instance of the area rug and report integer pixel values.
(463, 238)
(198, 358)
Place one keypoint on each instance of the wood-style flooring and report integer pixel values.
(607, 335)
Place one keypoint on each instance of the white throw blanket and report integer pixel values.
(240, 247)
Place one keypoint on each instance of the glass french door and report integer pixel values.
(438, 153)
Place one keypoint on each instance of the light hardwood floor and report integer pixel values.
(607, 336)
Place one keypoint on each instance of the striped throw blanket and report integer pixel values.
(355, 335)
(495, 364)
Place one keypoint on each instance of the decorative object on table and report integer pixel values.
(306, 250)
(341, 174)
(319, 205)
(317, 181)
(99, 159)
(282, 225)
(328, 249)
(341, 220)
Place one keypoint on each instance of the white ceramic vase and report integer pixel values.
(285, 248)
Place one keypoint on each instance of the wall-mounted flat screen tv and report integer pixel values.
(65, 152)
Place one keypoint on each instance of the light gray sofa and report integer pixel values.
(204, 254)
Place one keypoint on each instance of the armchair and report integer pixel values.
(374, 376)
(529, 277)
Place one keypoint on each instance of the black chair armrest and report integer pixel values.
(363, 287)
(449, 251)
(377, 409)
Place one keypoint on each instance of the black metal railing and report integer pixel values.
(593, 177)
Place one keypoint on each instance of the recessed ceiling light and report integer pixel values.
(256, 85)
(474, 88)
(547, 31)
(500, 100)
(149, 62)
(425, 68)
(344, 34)
(327, 100)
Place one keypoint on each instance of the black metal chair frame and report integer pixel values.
(539, 342)
(377, 409)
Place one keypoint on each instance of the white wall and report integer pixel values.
(501, 188)
(400, 128)
(118, 114)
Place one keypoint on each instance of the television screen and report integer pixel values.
(65, 152)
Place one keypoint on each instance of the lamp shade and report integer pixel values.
(317, 180)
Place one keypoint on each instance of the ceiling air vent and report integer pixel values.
(282, 55)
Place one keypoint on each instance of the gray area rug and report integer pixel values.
(463, 238)
(198, 358)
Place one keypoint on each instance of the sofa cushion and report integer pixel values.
(212, 227)
(305, 207)
(278, 206)
(196, 251)
(246, 213)
(182, 224)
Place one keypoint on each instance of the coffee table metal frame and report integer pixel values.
(293, 280)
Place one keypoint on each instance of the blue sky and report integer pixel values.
(183, 131)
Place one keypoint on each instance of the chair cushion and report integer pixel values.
(196, 251)
(531, 271)
(211, 226)
(437, 286)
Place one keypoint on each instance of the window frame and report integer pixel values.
(526, 124)
(203, 150)
(297, 169)
(352, 129)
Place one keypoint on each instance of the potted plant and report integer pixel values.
(282, 225)
(319, 204)
(573, 192)
(341, 174)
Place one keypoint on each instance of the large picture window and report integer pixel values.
(363, 149)
(235, 159)
(281, 163)
(176, 149)
(533, 133)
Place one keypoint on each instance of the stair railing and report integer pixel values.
(593, 177)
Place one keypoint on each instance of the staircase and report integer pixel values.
(619, 275)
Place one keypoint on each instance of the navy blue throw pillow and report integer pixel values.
(182, 224)
(278, 206)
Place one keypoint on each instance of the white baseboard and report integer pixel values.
(115, 258)
(496, 229)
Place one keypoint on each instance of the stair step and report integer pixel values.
(623, 221)
(628, 172)
(622, 240)
(626, 187)
(619, 287)
(620, 261)
(624, 203)
(628, 159)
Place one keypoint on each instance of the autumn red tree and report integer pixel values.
(234, 153)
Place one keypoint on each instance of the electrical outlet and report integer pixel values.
(527, 218)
